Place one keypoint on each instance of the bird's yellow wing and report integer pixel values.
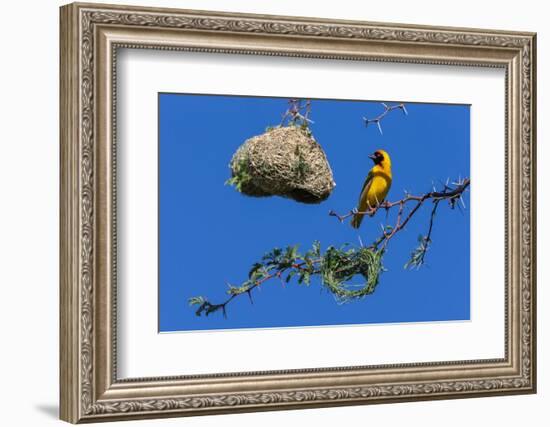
(362, 204)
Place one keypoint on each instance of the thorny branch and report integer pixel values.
(417, 257)
(387, 110)
(337, 266)
(298, 112)
(207, 307)
(452, 194)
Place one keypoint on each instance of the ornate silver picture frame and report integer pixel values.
(91, 36)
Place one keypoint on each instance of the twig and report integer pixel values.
(387, 110)
(294, 112)
(428, 237)
(207, 307)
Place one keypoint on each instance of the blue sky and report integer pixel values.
(209, 234)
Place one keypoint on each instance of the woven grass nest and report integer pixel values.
(284, 161)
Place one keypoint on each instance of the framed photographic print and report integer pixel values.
(266, 212)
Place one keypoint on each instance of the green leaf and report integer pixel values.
(196, 300)
(289, 276)
(254, 270)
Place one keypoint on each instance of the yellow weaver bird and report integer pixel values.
(376, 187)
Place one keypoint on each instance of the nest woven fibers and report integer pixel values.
(284, 161)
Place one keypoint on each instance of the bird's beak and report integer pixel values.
(372, 157)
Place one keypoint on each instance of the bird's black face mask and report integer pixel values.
(376, 157)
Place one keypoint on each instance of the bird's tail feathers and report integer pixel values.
(356, 220)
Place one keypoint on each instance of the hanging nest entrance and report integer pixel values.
(284, 161)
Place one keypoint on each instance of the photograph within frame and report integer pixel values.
(199, 136)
